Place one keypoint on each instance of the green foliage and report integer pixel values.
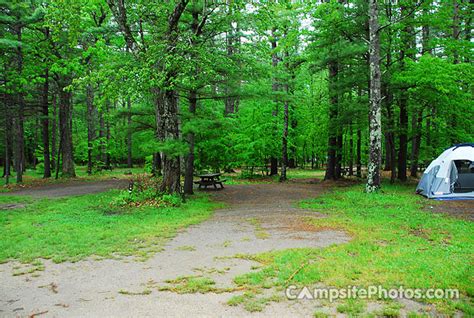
(144, 191)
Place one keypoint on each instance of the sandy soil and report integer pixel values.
(92, 288)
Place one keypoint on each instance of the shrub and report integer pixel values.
(144, 191)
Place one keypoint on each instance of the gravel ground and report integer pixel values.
(92, 288)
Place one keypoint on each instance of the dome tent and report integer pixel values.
(451, 175)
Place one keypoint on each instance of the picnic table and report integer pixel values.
(210, 179)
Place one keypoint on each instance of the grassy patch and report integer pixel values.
(252, 302)
(130, 293)
(260, 232)
(394, 243)
(351, 307)
(188, 248)
(305, 173)
(78, 227)
(192, 285)
(391, 310)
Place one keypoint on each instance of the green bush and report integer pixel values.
(144, 191)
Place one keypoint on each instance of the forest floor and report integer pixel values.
(235, 262)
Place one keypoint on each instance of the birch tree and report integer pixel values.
(375, 124)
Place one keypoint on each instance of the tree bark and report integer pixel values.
(171, 163)
(417, 122)
(375, 124)
(167, 109)
(333, 115)
(18, 130)
(156, 165)
(284, 146)
(286, 119)
(456, 30)
(292, 161)
(359, 154)
(54, 133)
(230, 98)
(403, 104)
(275, 88)
(189, 170)
(129, 134)
(65, 124)
(8, 138)
(189, 174)
(45, 126)
(107, 135)
(351, 151)
(339, 152)
(91, 134)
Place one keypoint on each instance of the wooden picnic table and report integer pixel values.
(210, 179)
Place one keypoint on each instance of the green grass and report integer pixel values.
(298, 173)
(394, 242)
(305, 173)
(351, 307)
(74, 228)
(260, 232)
(192, 285)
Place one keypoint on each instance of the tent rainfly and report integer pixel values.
(451, 175)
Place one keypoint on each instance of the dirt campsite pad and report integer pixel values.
(71, 188)
(257, 218)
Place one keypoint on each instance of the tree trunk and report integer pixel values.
(375, 124)
(107, 134)
(171, 163)
(425, 33)
(359, 154)
(332, 129)
(54, 133)
(230, 98)
(416, 141)
(456, 30)
(167, 110)
(65, 124)
(102, 148)
(18, 130)
(91, 134)
(156, 165)
(189, 174)
(45, 126)
(189, 170)
(292, 161)
(339, 152)
(129, 134)
(351, 151)
(284, 146)
(8, 139)
(286, 120)
(387, 161)
(275, 88)
(407, 51)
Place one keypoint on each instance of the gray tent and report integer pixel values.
(451, 175)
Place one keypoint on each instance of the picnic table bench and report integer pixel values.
(210, 179)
